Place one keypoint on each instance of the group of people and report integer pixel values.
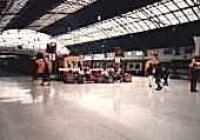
(156, 72)
(43, 69)
(86, 74)
(153, 69)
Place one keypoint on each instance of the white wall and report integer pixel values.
(168, 57)
(197, 45)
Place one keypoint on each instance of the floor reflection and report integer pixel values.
(27, 92)
(132, 109)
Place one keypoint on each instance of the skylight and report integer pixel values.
(158, 15)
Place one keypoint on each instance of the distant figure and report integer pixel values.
(165, 76)
(158, 75)
(117, 73)
(194, 71)
(42, 69)
(149, 70)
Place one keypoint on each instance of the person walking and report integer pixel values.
(158, 75)
(149, 69)
(165, 76)
(194, 73)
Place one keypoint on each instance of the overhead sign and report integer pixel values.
(99, 56)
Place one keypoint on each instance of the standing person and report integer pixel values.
(149, 69)
(117, 73)
(42, 69)
(165, 75)
(158, 75)
(194, 71)
(39, 66)
(47, 71)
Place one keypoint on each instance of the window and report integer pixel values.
(168, 51)
(177, 51)
(188, 50)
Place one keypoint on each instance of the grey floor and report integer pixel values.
(126, 111)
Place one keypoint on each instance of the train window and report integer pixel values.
(131, 65)
(145, 52)
(137, 66)
(177, 51)
(168, 51)
(188, 50)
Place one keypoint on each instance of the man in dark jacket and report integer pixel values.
(158, 75)
(165, 76)
(195, 71)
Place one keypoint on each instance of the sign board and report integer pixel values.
(99, 56)
(52, 57)
(110, 56)
(88, 57)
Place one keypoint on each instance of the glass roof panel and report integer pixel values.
(163, 19)
(143, 24)
(138, 27)
(131, 28)
(190, 2)
(15, 7)
(47, 20)
(155, 11)
(147, 11)
(151, 24)
(157, 15)
(124, 20)
(181, 3)
(197, 11)
(172, 18)
(5, 20)
(109, 24)
(190, 14)
(11, 12)
(61, 11)
(181, 17)
(141, 15)
(171, 6)
(163, 8)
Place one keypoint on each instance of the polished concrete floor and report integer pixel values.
(120, 111)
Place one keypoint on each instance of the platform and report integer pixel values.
(119, 111)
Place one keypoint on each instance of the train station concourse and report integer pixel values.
(99, 69)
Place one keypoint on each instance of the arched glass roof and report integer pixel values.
(29, 40)
(62, 10)
(158, 15)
